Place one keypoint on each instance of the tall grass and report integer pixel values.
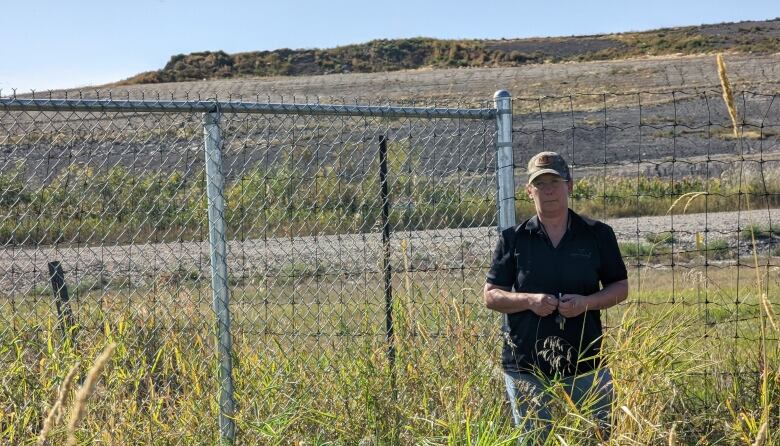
(317, 373)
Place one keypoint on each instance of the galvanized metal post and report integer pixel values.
(505, 171)
(504, 160)
(215, 190)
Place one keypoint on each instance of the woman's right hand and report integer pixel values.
(542, 304)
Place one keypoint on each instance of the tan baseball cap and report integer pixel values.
(547, 162)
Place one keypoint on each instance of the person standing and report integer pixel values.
(551, 276)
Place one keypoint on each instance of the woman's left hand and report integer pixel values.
(572, 305)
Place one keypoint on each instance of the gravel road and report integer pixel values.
(22, 270)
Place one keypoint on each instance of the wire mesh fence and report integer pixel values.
(118, 198)
(687, 190)
(357, 242)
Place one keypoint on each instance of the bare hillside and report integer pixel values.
(659, 74)
(653, 109)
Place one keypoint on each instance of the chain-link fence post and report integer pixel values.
(504, 161)
(505, 170)
(215, 190)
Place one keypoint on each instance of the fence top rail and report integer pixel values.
(172, 106)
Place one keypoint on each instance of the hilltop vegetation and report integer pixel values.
(419, 52)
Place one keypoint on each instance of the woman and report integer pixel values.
(552, 275)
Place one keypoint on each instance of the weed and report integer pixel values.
(717, 249)
(728, 96)
(664, 237)
(758, 231)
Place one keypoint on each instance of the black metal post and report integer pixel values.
(388, 268)
(61, 298)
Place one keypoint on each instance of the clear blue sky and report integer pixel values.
(71, 43)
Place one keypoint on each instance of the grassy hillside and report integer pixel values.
(391, 55)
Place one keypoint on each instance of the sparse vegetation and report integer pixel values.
(605, 197)
(374, 56)
(717, 249)
(759, 231)
(636, 249)
(659, 238)
(82, 205)
(399, 54)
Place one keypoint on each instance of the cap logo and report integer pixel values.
(543, 160)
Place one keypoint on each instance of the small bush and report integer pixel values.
(659, 238)
(635, 249)
(717, 249)
(759, 231)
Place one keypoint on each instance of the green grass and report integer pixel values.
(310, 362)
(660, 238)
(717, 249)
(759, 231)
(660, 253)
(636, 249)
(607, 196)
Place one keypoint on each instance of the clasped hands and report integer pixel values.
(569, 305)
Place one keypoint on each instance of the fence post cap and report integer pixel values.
(501, 94)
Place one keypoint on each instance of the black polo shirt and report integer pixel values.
(586, 259)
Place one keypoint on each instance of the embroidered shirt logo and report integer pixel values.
(581, 253)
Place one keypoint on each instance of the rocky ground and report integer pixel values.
(24, 270)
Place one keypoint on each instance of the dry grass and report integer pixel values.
(762, 435)
(87, 389)
(57, 409)
(674, 357)
(728, 96)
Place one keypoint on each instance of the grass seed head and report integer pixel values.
(728, 96)
(55, 414)
(86, 390)
(761, 435)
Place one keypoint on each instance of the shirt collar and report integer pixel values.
(533, 226)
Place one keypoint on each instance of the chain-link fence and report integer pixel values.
(356, 239)
(690, 182)
(686, 188)
(319, 257)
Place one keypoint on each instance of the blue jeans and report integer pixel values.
(530, 401)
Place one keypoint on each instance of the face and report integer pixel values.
(550, 193)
